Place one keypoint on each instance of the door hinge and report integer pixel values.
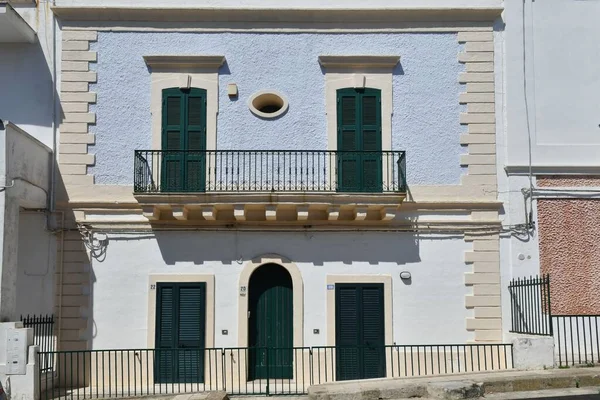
(248, 314)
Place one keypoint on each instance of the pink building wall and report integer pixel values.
(569, 239)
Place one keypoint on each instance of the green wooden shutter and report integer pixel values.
(373, 331)
(348, 140)
(359, 140)
(173, 112)
(165, 333)
(180, 332)
(196, 140)
(360, 341)
(184, 134)
(347, 327)
(370, 102)
(191, 332)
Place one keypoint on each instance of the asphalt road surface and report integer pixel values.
(577, 397)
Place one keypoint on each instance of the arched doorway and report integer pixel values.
(270, 323)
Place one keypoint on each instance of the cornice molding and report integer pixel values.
(553, 169)
(363, 62)
(166, 14)
(171, 62)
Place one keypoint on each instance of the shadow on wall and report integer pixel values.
(25, 75)
(311, 247)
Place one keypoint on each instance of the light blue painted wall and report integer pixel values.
(426, 109)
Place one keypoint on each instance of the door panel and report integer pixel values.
(270, 323)
(359, 331)
(180, 332)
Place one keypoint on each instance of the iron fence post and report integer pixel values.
(549, 304)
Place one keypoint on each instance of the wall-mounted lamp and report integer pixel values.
(405, 275)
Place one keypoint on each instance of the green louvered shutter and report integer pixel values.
(196, 140)
(191, 332)
(172, 168)
(165, 337)
(373, 333)
(180, 332)
(359, 331)
(347, 332)
(370, 105)
(359, 140)
(348, 140)
(184, 139)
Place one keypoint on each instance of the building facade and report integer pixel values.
(225, 153)
(550, 151)
(273, 176)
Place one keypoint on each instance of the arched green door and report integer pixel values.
(270, 323)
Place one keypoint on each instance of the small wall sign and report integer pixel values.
(330, 287)
(242, 290)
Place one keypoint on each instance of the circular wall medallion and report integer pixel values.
(268, 104)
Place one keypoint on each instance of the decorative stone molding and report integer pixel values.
(480, 118)
(75, 97)
(297, 296)
(73, 281)
(359, 62)
(160, 62)
(255, 15)
(483, 261)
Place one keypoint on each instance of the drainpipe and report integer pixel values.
(52, 206)
(54, 115)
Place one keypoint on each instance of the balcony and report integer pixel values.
(268, 183)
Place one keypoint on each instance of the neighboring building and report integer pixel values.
(27, 228)
(27, 128)
(552, 135)
(221, 161)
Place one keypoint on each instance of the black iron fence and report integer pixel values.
(43, 337)
(253, 371)
(576, 339)
(168, 171)
(530, 306)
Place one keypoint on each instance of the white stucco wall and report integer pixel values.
(434, 300)
(36, 265)
(25, 171)
(562, 82)
(26, 97)
(425, 118)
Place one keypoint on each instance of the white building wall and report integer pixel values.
(433, 300)
(559, 92)
(551, 108)
(36, 265)
(26, 70)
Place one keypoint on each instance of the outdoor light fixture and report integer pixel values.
(405, 275)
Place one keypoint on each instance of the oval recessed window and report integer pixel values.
(268, 104)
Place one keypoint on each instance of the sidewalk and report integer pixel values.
(457, 386)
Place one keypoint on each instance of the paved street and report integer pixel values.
(587, 393)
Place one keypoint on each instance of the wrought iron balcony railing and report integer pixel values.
(169, 171)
